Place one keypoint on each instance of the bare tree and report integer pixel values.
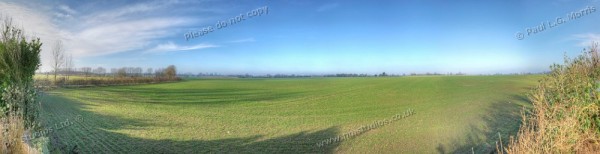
(100, 71)
(122, 72)
(113, 72)
(86, 70)
(149, 72)
(159, 73)
(69, 65)
(58, 55)
(129, 71)
(138, 71)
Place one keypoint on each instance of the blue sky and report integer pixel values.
(313, 37)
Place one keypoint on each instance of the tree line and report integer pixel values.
(63, 69)
(168, 72)
(87, 76)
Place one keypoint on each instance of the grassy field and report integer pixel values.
(453, 114)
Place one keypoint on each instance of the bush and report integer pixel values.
(18, 61)
(565, 114)
(171, 72)
(19, 111)
(21, 100)
(18, 58)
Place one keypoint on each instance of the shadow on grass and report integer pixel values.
(93, 135)
(502, 119)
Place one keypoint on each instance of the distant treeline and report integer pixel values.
(169, 72)
(384, 74)
(87, 76)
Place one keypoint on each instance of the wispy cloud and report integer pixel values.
(243, 40)
(585, 40)
(122, 36)
(36, 24)
(67, 9)
(101, 31)
(121, 29)
(127, 12)
(172, 47)
(64, 12)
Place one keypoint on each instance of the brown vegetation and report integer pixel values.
(86, 76)
(10, 141)
(565, 115)
(107, 81)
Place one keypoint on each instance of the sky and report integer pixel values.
(313, 37)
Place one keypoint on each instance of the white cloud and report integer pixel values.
(171, 47)
(118, 30)
(64, 12)
(35, 24)
(122, 36)
(67, 9)
(585, 40)
(88, 33)
(131, 12)
(62, 15)
(243, 40)
(119, 13)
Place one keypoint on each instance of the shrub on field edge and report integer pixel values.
(19, 59)
(565, 117)
(21, 101)
(104, 81)
(19, 111)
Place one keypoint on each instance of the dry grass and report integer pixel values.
(12, 129)
(565, 114)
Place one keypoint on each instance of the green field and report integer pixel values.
(453, 114)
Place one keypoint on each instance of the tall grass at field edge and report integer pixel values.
(565, 117)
